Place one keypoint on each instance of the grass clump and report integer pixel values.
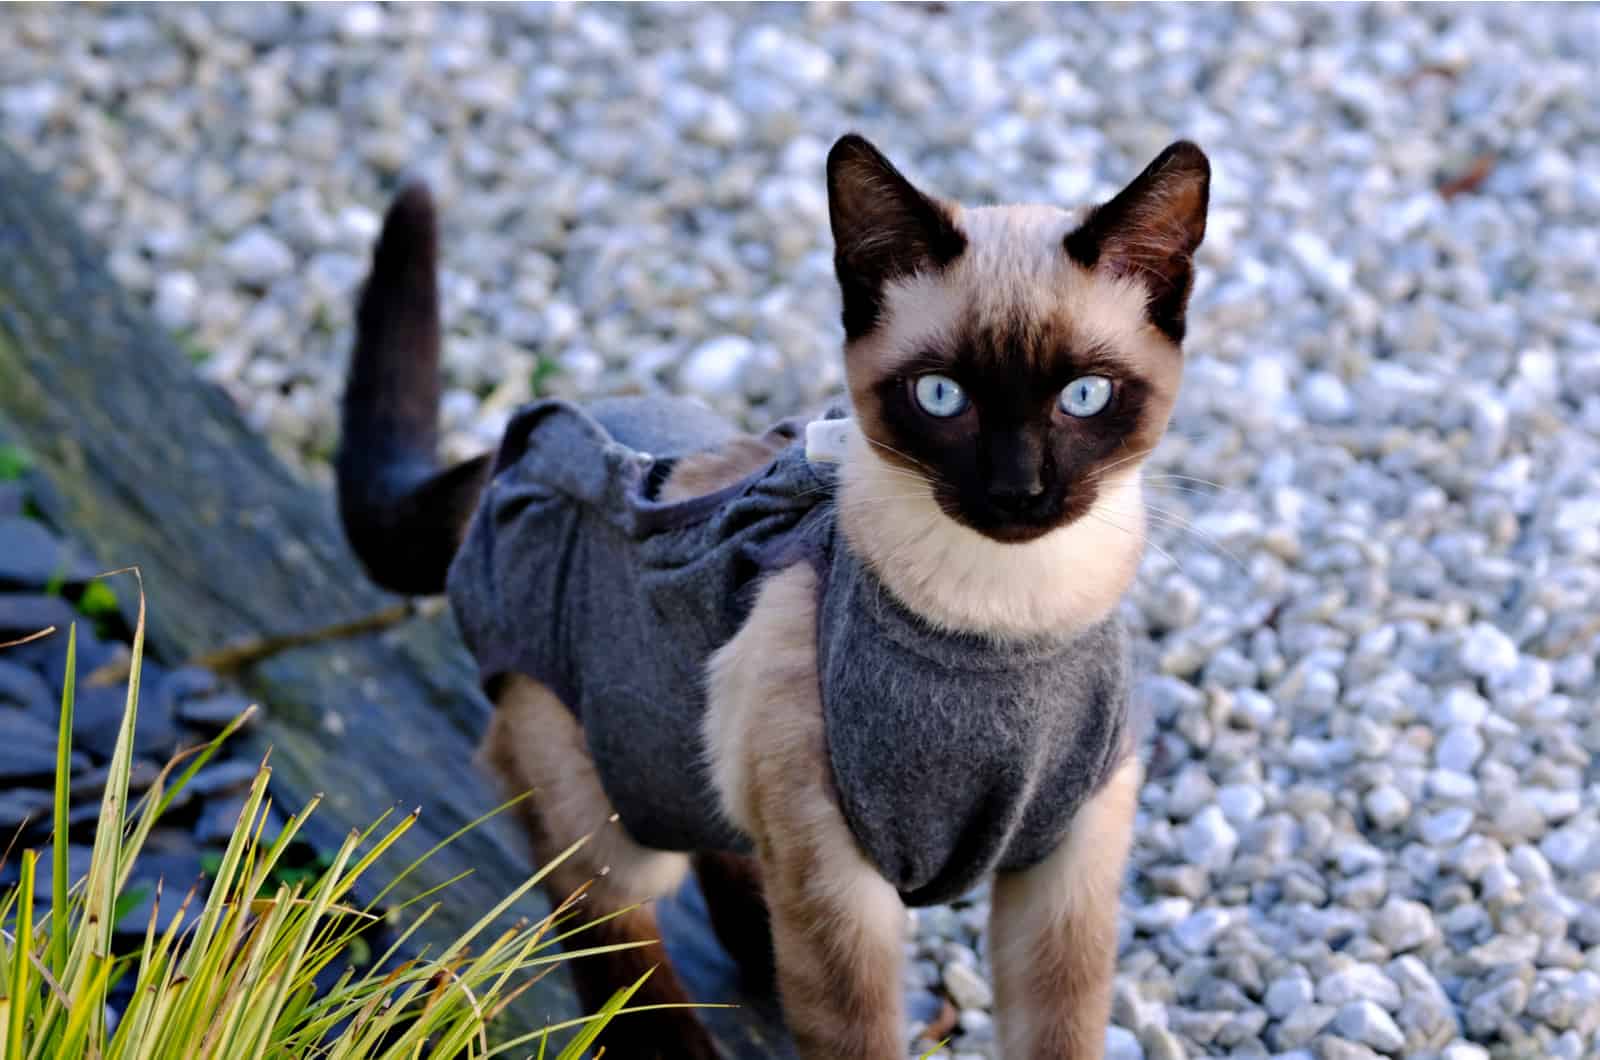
(239, 972)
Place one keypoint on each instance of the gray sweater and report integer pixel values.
(952, 755)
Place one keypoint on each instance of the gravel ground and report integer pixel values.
(1372, 826)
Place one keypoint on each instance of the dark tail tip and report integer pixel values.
(402, 514)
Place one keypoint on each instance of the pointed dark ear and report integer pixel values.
(883, 228)
(1151, 230)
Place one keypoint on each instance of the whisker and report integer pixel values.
(1174, 521)
(1189, 478)
(1102, 472)
(1146, 539)
(1188, 491)
(886, 447)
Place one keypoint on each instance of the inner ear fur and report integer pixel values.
(1151, 230)
(883, 229)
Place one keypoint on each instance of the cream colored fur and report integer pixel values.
(1053, 933)
(535, 743)
(959, 579)
(837, 925)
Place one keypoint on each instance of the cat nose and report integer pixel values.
(1016, 496)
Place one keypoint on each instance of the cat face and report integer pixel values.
(1014, 361)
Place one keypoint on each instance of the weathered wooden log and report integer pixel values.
(149, 465)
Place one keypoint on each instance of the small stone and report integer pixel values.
(1523, 687)
(1325, 398)
(1387, 807)
(257, 257)
(1460, 707)
(1286, 996)
(1197, 932)
(1161, 1044)
(1404, 925)
(716, 366)
(1496, 1007)
(1240, 803)
(176, 296)
(1302, 1025)
(1252, 710)
(1186, 881)
(1365, 1022)
(1161, 915)
(1449, 786)
(1459, 749)
(976, 1026)
(1446, 826)
(1358, 982)
(1209, 841)
(1199, 1026)
(1340, 1049)
(967, 988)
(1572, 848)
(1122, 1044)
(1191, 792)
(1488, 652)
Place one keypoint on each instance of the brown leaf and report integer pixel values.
(1470, 180)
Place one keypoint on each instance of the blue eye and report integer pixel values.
(1086, 395)
(941, 396)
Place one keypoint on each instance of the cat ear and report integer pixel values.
(1151, 231)
(883, 228)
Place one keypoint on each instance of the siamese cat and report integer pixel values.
(830, 684)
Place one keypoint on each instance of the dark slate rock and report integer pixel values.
(176, 872)
(47, 656)
(31, 557)
(18, 805)
(216, 712)
(25, 613)
(217, 818)
(25, 690)
(97, 716)
(185, 683)
(28, 751)
(78, 860)
(82, 821)
(222, 778)
(219, 815)
(165, 839)
(92, 783)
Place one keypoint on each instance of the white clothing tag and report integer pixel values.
(827, 440)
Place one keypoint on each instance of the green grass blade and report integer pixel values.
(72, 1041)
(21, 951)
(59, 863)
(591, 1030)
(441, 844)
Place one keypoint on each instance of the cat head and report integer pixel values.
(1014, 362)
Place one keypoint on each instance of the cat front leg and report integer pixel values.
(1053, 933)
(837, 925)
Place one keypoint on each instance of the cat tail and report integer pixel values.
(403, 515)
